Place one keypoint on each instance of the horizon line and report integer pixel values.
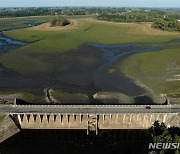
(89, 6)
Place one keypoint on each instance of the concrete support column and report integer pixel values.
(150, 119)
(61, 118)
(80, 118)
(124, 116)
(31, 119)
(74, 117)
(117, 115)
(138, 117)
(103, 118)
(58, 119)
(72, 120)
(51, 120)
(54, 118)
(19, 118)
(96, 124)
(25, 119)
(144, 120)
(38, 118)
(164, 118)
(67, 118)
(45, 120)
(110, 117)
(130, 118)
(157, 118)
(87, 127)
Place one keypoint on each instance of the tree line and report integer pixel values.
(167, 24)
(39, 12)
(164, 19)
(161, 20)
(23, 12)
(132, 16)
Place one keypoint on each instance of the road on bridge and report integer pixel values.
(87, 109)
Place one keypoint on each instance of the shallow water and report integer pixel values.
(11, 41)
(34, 23)
(8, 44)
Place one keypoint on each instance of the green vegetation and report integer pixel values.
(27, 96)
(59, 21)
(44, 55)
(16, 23)
(132, 16)
(156, 70)
(161, 20)
(25, 12)
(61, 95)
(2, 116)
(50, 52)
(167, 24)
(7, 92)
(111, 70)
(162, 134)
(32, 98)
(66, 97)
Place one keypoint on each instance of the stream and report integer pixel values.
(8, 44)
(112, 53)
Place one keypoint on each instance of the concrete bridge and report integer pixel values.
(92, 117)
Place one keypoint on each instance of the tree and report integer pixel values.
(167, 24)
(59, 21)
(161, 134)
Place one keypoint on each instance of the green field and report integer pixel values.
(2, 116)
(11, 23)
(47, 51)
(78, 98)
(42, 54)
(158, 71)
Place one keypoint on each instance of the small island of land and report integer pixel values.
(59, 21)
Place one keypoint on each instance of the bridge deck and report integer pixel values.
(88, 109)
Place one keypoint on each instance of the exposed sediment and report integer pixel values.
(49, 98)
(9, 98)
